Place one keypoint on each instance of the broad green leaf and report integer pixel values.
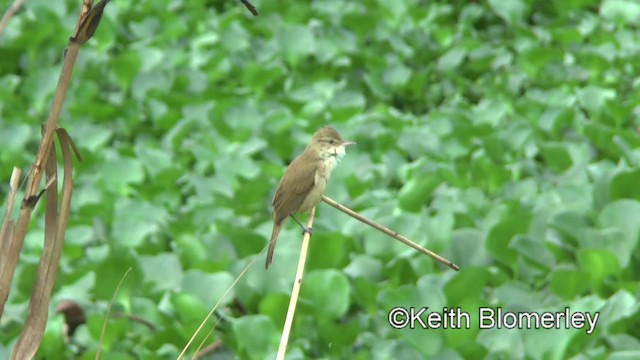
(235, 38)
(599, 265)
(415, 193)
(163, 271)
(397, 75)
(328, 291)
(296, 41)
(542, 343)
(256, 335)
(275, 306)
(556, 156)
(364, 266)
(511, 11)
(119, 174)
(112, 270)
(619, 306)
(90, 137)
(188, 308)
(502, 234)
(623, 216)
(328, 250)
(125, 66)
(569, 283)
(468, 283)
(624, 185)
(593, 98)
(451, 59)
(208, 287)
(503, 343)
(134, 221)
(621, 11)
(533, 250)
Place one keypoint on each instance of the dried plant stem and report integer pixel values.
(295, 292)
(57, 214)
(12, 10)
(33, 187)
(6, 231)
(207, 351)
(390, 232)
(52, 122)
(250, 7)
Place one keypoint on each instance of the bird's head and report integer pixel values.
(327, 142)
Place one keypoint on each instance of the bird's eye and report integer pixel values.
(331, 141)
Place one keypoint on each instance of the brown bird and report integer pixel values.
(305, 180)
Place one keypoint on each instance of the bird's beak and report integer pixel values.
(345, 143)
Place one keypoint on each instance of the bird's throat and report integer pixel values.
(327, 164)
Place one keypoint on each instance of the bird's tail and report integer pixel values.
(272, 245)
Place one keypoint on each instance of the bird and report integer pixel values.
(304, 182)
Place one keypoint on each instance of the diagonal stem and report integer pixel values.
(390, 232)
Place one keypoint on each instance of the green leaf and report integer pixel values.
(468, 248)
(365, 293)
(397, 75)
(119, 174)
(112, 270)
(89, 136)
(468, 283)
(163, 271)
(451, 59)
(624, 185)
(557, 156)
(126, 66)
(328, 291)
(329, 250)
(487, 174)
(189, 308)
(296, 42)
(256, 336)
(274, 306)
(533, 250)
(134, 221)
(569, 283)
(593, 98)
(502, 343)
(415, 193)
(235, 38)
(14, 138)
(209, 288)
(620, 305)
(511, 11)
(394, 10)
(364, 266)
(599, 265)
(501, 235)
(623, 216)
(621, 11)
(541, 343)
(347, 103)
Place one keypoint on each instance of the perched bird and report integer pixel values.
(305, 180)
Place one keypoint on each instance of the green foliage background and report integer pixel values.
(501, 134)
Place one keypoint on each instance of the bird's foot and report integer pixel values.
(307, 229)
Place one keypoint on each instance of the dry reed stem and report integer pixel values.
(295, 292)
(390, 232)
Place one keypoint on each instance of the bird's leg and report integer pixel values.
(305, 229)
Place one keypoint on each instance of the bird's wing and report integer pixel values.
(292, 190)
